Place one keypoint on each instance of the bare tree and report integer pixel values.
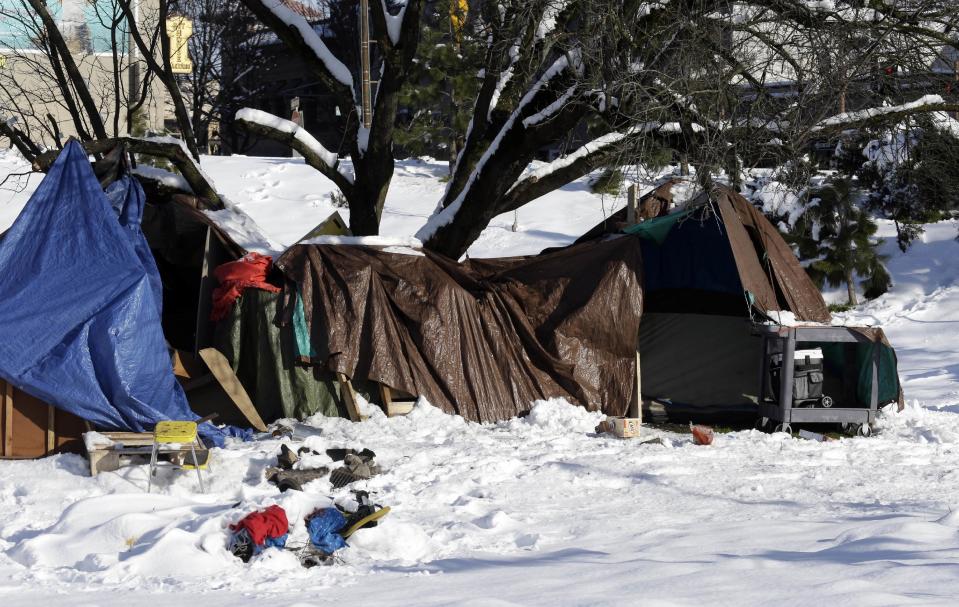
(225, 48)
(709, 79)
(715, 81)
(53, 73)
(58, 83)
(371, 149)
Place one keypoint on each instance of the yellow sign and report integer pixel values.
(179, 30)
(3, 61)
(458, 12)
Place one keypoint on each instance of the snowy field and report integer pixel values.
(534, 511)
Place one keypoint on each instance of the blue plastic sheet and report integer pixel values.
(322, 526)
(80, 327)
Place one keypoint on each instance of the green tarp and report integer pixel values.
(657, 229)
(263, 357)
(834, 357)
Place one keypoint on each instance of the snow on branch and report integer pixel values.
(587, 149)
(297, 22)
(548, 23)
(551, 109)
(505, 76)
(443, 216)
(928, 103)
(295, 131)
(394, 23)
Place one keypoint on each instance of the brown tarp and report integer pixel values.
(484, 338)
(799, 292)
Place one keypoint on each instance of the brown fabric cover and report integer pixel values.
(801, 295)
(751, 273)
(483, 338)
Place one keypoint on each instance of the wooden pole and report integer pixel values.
(365, 63)
(51, 429)
(636, 404)
(632, 204)
(7, 398)
(349, 398)
(955, 73)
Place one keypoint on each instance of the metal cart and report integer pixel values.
(780, 408)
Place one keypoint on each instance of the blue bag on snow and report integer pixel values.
(322, 526)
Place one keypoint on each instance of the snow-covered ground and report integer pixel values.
(534, 511)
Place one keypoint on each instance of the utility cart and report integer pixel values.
(791, 387)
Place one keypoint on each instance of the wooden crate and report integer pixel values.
(31, 428)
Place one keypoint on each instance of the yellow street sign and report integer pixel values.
(178, 30)
(458, 12)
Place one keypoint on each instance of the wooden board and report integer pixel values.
(392, 407)
(51, 442)
(7, 395)
(215, 253)
(30, 427)
(349, 397)
(331, 226)
(220, 368)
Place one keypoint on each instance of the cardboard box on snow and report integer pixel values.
(623, 427)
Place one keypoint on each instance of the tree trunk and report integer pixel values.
(851, 290)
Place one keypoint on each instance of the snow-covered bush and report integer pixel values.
(910, 173)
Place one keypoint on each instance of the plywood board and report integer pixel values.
(220, 368)
(349, 397)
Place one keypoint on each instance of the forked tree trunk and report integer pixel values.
(851, 290)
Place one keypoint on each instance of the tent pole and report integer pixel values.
(636, 403)
(632, 205)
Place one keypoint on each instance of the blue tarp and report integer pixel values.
(80, 323)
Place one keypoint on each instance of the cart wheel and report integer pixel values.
(762, 424)
(864, 430)
(784, 428)
(826, 401)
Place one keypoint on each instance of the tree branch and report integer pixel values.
(558, 173)
(305, 43)
(24, 145)
(174, 152)
(76, 78)
(162, 71)
(291, 134)
(884, 115)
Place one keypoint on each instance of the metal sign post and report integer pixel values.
(367, 102)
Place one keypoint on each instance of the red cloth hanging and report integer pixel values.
(235, 276)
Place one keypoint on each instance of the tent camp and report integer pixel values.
(678, 296)
(715, 270)
(483, 338)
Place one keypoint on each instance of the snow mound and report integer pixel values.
(557, 416)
